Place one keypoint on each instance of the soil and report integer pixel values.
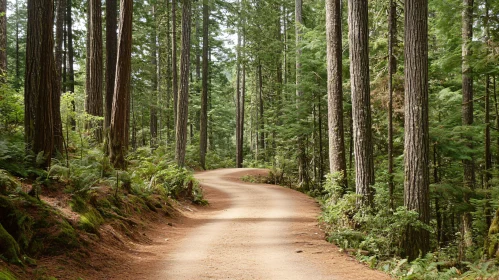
(248, 231)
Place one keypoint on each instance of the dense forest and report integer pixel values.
(386, 111)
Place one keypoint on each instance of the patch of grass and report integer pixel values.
(5, 275)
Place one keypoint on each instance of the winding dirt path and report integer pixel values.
(249, 231)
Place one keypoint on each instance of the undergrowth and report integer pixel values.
(375, 235)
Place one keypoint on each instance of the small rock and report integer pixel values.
(170, 224)
(299, 251)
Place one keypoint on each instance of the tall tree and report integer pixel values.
(302, 156)
(56, 96)
(361, 100)
(70, 62)
(174, 61)
(203, 126)
(111, 49)
(392, 68)
(239, 96)
(118, 132)
(467, 118)
(38, 88)
(3, 39)
(416, 184)
(337, 162)
(93, 104)
(183, 98)
(153, 112)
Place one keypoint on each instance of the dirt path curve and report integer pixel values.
(255, 231)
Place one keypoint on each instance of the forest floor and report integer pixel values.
(248, 231)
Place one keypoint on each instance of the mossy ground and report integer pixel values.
(67, 225)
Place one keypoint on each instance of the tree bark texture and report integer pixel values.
(3, 40)
(94, 102)
(416, 184)
(111, 49)
(361, 100)
(174, 61)
(38, 89)
(467, 120)
(118, 134)
(203, 126)
(56, 96)
(337, 162)
(183, 97)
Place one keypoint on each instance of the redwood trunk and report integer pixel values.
(416, 184)
(183, 98)
(361, 101)
(118, 134)
(111, 49)
(93, 105)
(39, 81)
(337, 162)
(203, 127)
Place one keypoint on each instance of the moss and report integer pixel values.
(5, 275)
(9, 249)
(493, 238)
(7, 182)
(90, 221)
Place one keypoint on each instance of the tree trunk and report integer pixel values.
(302, 156)
(392, 69)
(94, 91)
(153, 114)
(261, 119)
(71, 72)
(203, 126)
(183, 98)
(56, 96)
(416, 185)
(118, 134)
(38, 89)
(488, 152)
(361, 101)
(111, 49)
(3, 40)
(18, 67)
(337, 162)
(467, 120)
(174, 62)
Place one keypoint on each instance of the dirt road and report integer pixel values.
(255, 231)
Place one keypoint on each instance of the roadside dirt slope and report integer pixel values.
(249, 231)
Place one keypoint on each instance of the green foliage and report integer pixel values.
(6, 275)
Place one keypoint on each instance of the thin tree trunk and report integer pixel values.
(174, 62)
(183, 98)
(93, 103)
(361, 103)
(467, 120)
(337, 162)
(153, 113)
(416, 185)
(111, 57)
(3, 41)
(69, 22)
(261, 119)
(392, 68)
(18, 67)
(302, 156)
(57, 86)
(203, 126)
(118, 134)
(40, 73)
